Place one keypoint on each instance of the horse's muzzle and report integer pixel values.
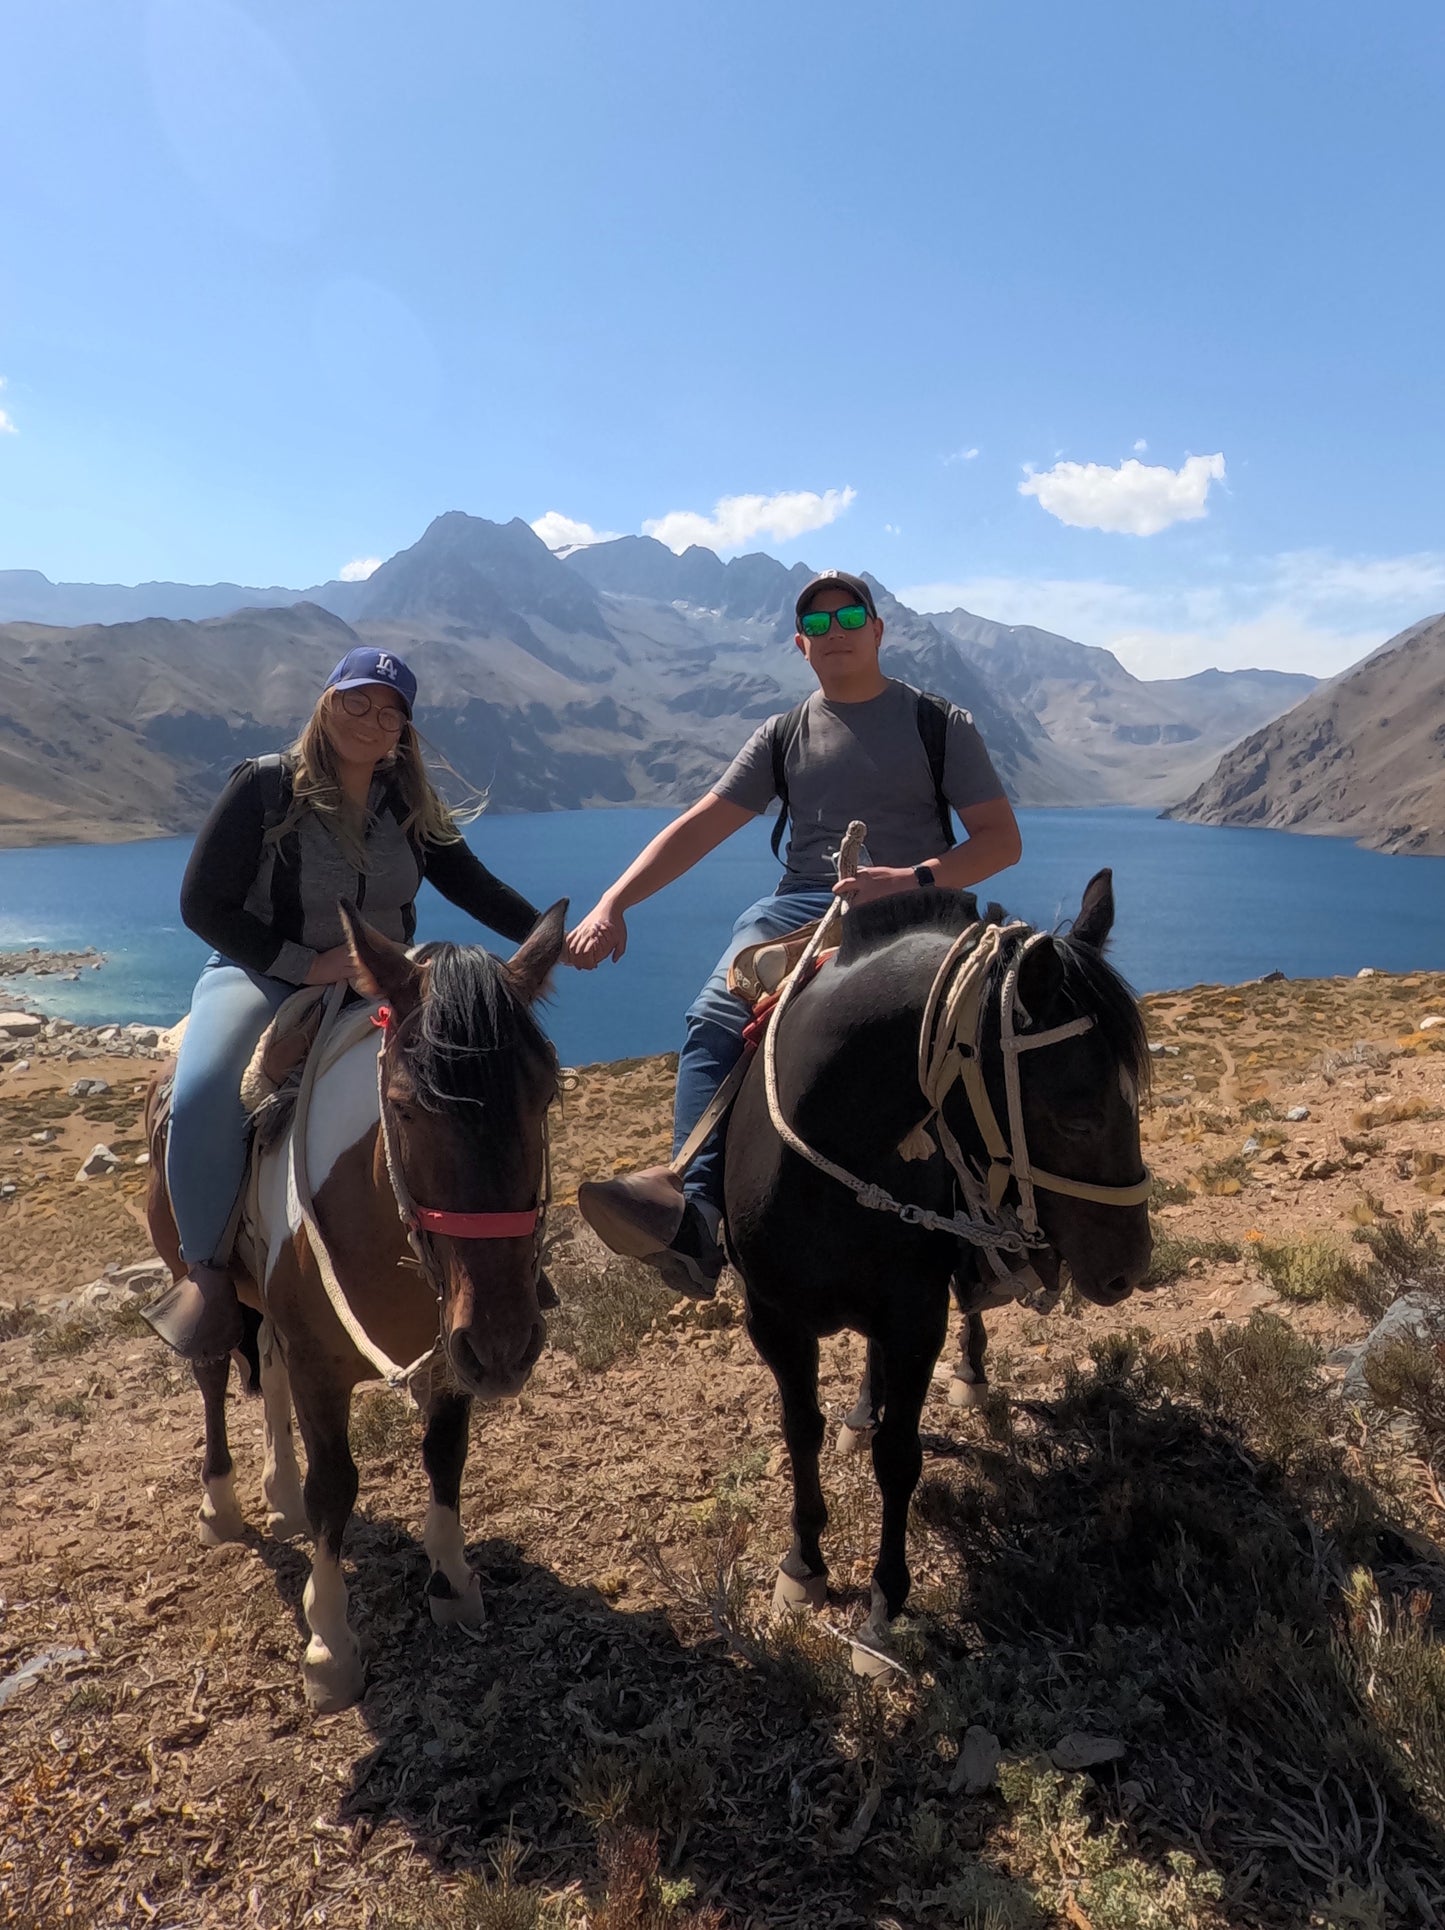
(492, 1374)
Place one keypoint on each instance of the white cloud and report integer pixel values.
(7, 426)
(1136, 499)
(1316, 577)
(358, 571)
(960, 455)
(736, 520)
(1140, 446)
(892, 529)
(1301, 610)
(561, 532)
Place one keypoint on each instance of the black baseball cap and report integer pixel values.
(834, 580)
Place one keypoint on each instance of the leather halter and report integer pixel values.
(421, 1220)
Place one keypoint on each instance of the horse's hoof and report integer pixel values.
(788, 1594)
(331, 1682)
(967, 1393)
(286, 1527)
(871, 1654)
(216, 1526)
(450, 1609)
(853, 1440)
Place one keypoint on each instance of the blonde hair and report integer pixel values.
(316, 786)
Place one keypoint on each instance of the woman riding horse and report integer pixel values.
(348, 812)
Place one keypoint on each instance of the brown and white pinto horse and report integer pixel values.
(466, 1076)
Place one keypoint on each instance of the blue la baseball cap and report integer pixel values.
(367, 666)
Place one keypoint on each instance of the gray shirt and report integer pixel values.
(862, 761)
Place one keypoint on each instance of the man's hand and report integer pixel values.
(602, 934)
(875, 881)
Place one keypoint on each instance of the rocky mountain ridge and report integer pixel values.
(620, 673)
(1361, 757)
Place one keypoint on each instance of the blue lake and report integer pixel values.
(1196, 904)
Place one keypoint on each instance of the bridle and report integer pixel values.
(950, 1048)
(423, 1222)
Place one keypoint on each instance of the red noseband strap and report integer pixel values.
(477, 1226)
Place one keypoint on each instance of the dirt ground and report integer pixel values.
(169, 1771)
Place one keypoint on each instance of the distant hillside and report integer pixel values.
(1151, 740)
(617, 674)
(1362, 757)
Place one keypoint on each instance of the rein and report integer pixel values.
(949, 1054)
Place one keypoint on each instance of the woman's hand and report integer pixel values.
(332, 968)
(601, 934)
(875, 881)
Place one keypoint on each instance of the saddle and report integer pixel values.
(760, 971)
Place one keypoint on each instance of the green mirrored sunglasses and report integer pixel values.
(817, 623)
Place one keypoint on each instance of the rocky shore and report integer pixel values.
(29, 1036)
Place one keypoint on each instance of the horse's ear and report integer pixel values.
(531, 966)
(1041, 976)
(1096, 915)
(383, 970)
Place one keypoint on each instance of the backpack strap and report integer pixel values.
(273, 772)
(783, 735)
(933, 713)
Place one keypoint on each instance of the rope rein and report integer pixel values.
(949, 1054)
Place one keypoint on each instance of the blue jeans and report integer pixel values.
(206, 1150)
(715, 1022)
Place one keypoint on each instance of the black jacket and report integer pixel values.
(273, 906)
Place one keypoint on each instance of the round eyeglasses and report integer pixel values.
(356, 703)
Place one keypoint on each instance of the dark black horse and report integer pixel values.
(814, 1260)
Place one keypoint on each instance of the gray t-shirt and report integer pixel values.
(862, 761)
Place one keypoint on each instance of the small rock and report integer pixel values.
(106, 1034)
(1297, 1115)
(144, 1036)
(20, 1025)
(1430, 1024)
(141, 1277)
(98, 1161)
(1078, 1751)
(142, 1159)
(978, 1759)
(101, 1296)
(8, 1190)
(1413, 1316)
(1276, 977)
(1367, 971)
(1250, 1146)
(21, 1065)
(45, 1137)
(89, 1088)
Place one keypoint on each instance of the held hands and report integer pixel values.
(602, 934)
(875, 881)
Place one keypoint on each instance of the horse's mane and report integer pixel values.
(1091, 983)
(472, 1030)
(868, 926)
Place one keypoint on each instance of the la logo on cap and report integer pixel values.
(385, 666)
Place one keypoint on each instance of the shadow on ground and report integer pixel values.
(1131, 1564)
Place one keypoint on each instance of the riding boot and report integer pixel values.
(199, 1316)
(647, 1217)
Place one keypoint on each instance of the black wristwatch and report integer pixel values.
(924, 875)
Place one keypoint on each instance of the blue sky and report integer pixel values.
(1122, 318)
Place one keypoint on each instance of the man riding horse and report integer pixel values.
(862, 746)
